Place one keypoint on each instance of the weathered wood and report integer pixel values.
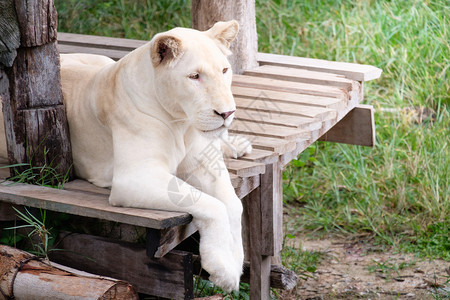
(285, 97)
(245, 47)
(352, 71)
(289, 109)
(267, 130)
(162, 241)
(270, 144)
(243, 168)
(168, 277)
(259, 263)
(88, 205)
(290, 87)
(26, 278)
(249, 184)
(272, 210)
(37, 22)
(301, 75)
(9, 33)
(276, 118)
(34, 114)
(35, 119)
(356, 128)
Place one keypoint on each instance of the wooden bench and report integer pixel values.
(283, 105)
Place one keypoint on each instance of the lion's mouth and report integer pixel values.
(217, 130)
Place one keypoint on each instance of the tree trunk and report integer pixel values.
(245, 47)
(26, 278)
(35, 120)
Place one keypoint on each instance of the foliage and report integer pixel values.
(43, 242)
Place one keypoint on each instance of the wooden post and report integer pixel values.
(35, 120)
(245, 47)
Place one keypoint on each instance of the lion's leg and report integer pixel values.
(215, 181)
(154, 188)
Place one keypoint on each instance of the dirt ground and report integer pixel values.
(355, 269)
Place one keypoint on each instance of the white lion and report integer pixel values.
(150, 126)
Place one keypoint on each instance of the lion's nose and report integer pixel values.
(224, 115)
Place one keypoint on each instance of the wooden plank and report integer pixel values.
(261, 156)
(279, 146)
(356, 128)
(277, 96)
(285, 108)
(301, 75)
(88, 205)
(85, 186)
(94, 41)
(248, 185)
(162, 241)
(267, 130)
(111, 53)
(170, 276)
(350, 70)
(290, 87)
(244, 168)
(274, 118)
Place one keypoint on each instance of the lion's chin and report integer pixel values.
(215, 133)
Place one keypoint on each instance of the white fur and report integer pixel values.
(141, 124)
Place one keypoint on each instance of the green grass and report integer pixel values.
(398, 191)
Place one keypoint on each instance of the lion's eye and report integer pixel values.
(194, 76)
(225, 70)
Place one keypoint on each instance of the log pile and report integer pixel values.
(25, 277)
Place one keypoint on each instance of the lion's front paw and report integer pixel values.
(228, 282)
(236, 146)
(224, 271)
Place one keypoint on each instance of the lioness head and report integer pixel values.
(192, 75)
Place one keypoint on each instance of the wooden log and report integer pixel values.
(356, 128)
(170, 276)
(245, 47)
(35, 120)
(37, 22)
(9, 33)
(24, 277)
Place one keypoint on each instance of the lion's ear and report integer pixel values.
(224, 32)
(165, 49)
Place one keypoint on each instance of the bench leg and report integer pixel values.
(259, 263)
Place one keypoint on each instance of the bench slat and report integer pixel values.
(350, 70)
(267, 130)
(111, 53)
(290, 87)
(285, 97)
(88, 205)
(278, 146)
(285, 108)
(275, 118)
(301, 75)
(244, 168)
(94, 41)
